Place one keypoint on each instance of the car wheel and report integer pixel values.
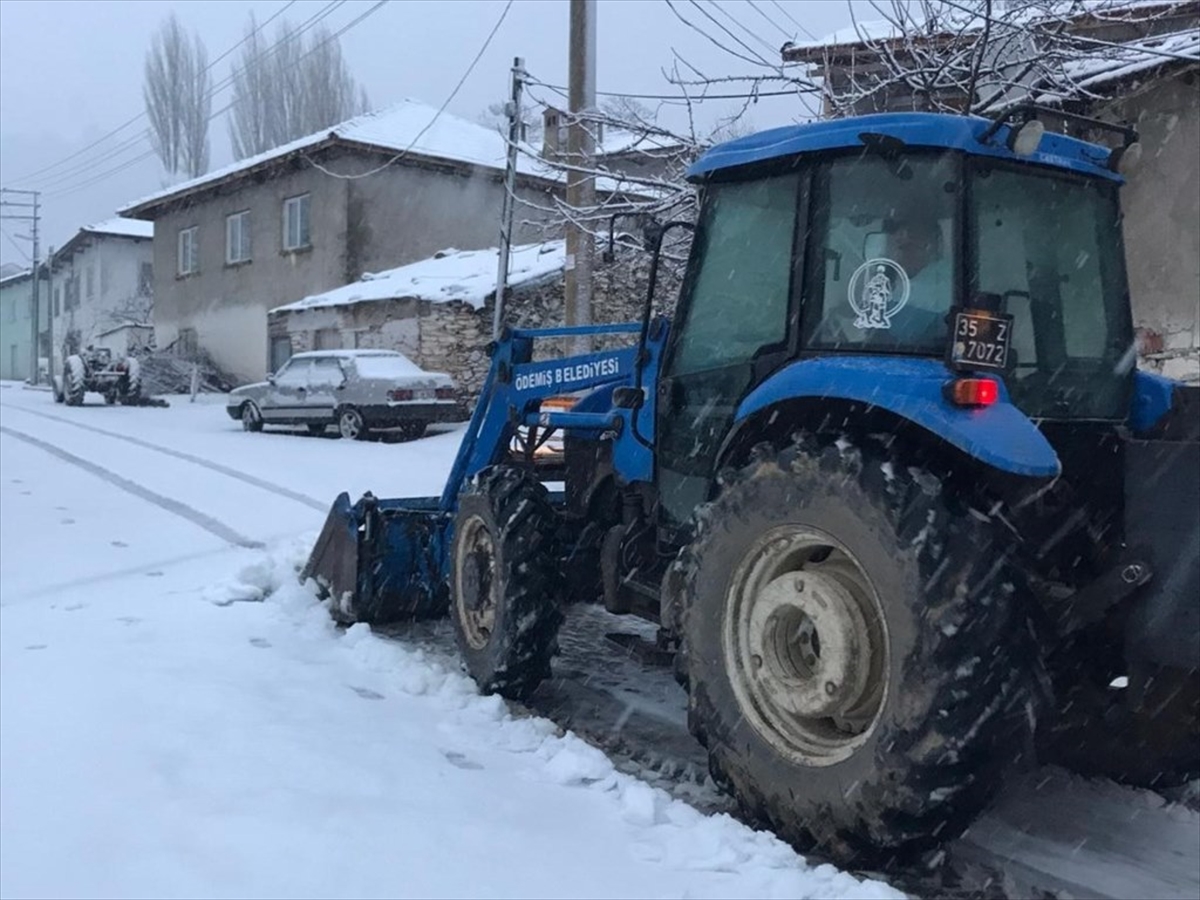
(251, 417)
(351, 425)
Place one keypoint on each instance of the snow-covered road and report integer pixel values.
(158, 737)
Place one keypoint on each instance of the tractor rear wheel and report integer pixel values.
(504, 581)
(74, 380)
(856, 665)
(130, 390)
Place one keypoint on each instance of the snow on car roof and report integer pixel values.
(468, 276)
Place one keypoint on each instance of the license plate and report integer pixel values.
(981, 340)
(423, 395)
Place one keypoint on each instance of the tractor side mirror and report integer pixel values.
(628, 398)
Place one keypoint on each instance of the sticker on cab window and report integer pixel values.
(878, 290)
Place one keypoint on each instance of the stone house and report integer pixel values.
(1148, 75)
(16, 329)
(101, 279)
(439, 311)
(627, 154)
(382, 189)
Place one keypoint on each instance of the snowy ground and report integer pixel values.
(162, 737)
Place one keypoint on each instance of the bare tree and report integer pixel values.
(289, 89)
(178, 99)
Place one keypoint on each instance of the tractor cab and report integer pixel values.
(905, 237)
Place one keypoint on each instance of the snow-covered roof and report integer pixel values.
(20, 275)
(468, 276)
(134, 228)
(1129, 59)
(618, 140)
(395, 128)
(957, 21)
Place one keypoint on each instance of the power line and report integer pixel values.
(754, 6)
(793, 20)
(487, 42)
(80, 169)
(681, 97)
(142, 114)
(739, 24)
(101, 177)
(18, 247)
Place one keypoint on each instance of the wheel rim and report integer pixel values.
(806, 646)
(249, 416)
(476, 596)
(349, 424)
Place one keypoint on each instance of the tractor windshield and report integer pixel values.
(884, 270)
(1050, 247)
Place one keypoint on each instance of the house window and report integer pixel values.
(90, 280)
(237, 238)
(145, 279)
(281, 351)
(327, 339)
(187, 251)
(295, 223)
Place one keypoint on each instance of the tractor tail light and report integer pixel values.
(444, 393)
(973, 392)
(400, 394)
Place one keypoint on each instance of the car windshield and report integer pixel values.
(1050, 247)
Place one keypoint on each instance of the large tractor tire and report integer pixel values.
(504, 581)
(856, 664)
(130, 387)
(74, 380)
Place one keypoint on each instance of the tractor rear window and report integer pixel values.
(882, 276)
(1050, 247)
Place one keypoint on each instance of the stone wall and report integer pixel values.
(453, 337)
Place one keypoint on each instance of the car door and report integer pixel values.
(733, 328)
(325, 379)
(285, 400)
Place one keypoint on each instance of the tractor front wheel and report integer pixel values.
(856, 666)
(74, 380)
(503, 581)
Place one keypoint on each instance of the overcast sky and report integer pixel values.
(70, 72)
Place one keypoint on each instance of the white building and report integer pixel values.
(102, 279)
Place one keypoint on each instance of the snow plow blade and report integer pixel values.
(382, 560)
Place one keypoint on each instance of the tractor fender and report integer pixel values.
(999, 435)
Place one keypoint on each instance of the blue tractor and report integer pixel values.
(889, 481)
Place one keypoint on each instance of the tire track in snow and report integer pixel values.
(260, 483)
(208, 523)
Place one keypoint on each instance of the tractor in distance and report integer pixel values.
(95, 369)
(889, 480)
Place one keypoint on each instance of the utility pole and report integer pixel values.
(513, 108)
(581, 149)
(50, 318)
(34, 354)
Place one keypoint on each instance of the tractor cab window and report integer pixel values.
(883, 268)
(738, 301)
(1050, 247)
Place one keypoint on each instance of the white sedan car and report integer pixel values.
(356, 390)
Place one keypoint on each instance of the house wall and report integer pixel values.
(398, 215)
(1162, 223)
(15, 305)
(116, 296)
